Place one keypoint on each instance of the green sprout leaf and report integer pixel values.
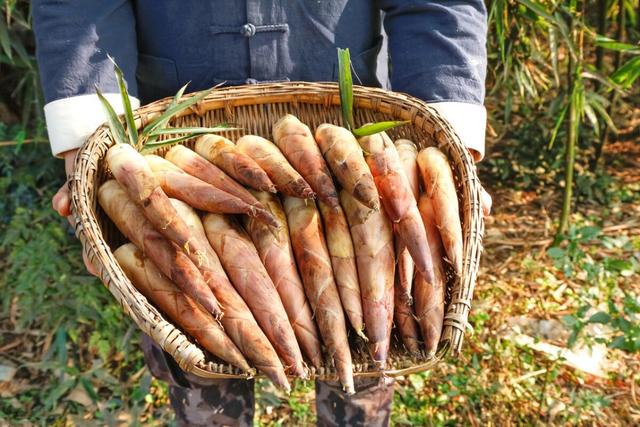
(222, 127)
(167, 142)
(345, 85)
(117, 130)
(172, 110)
(378, 127)
(126, 103)
(163, 123)
(190, 133)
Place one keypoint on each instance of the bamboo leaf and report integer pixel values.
(5, 40)
(612, 44)
(551, 19)
(163, 123)
(593, 74)
(223, 127)
(132, 130)
(171, 111)
(627, 73)
(599, 103)
(378, 127)
(557, 126)
(631, 13)
(117, 130)
(566, 34)
(538, 9)
(345, 85)
(499, 18)
(593, 119)
(26, 59)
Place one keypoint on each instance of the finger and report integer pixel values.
(486, 201)
(62, 201)
(71, 221)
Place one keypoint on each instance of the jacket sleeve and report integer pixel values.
(438, 53)
(73, 39)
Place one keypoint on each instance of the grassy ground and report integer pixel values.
(68, 356)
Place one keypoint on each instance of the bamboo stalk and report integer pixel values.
(570, 152)
(570, 157)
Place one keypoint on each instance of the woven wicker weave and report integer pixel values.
(255, 108)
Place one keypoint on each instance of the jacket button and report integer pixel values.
(248, 30)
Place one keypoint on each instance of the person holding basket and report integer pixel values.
(436, 52)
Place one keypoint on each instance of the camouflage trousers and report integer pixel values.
(204, 402)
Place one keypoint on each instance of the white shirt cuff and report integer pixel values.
(70, 121)
(469, 121)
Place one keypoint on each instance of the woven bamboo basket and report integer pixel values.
(255, 108)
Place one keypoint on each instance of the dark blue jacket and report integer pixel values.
(436, 48)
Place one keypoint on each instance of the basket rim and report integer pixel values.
(401, 106)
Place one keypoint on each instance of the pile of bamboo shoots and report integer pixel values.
(271, 255)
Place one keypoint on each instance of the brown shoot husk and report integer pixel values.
(313, 260)
(196, 322)
(277, 256)
(373, 242)
(248, 275)
(265, 153)
(440, 187)
(346, 160)
(224, 154)
(238, 321)
(397, 198)
(343, 260)
(429, 296)
(296, 142)
(171, 260)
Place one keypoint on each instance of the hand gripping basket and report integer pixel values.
(255, 108)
